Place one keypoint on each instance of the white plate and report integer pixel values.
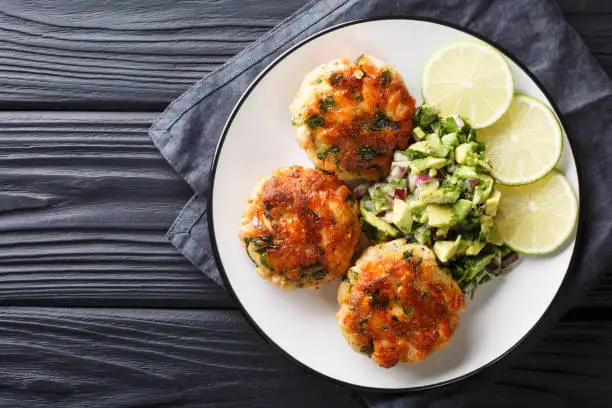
(258, 139)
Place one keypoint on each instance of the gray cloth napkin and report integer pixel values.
(534, 31)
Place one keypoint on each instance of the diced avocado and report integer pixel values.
(461, 209)
(482, 165)
(492, 203)
(450, 140)
(444, 250)
(465, 172)
(463, 246)
(473, 265)
(418, 210)
(416, 205)
(378, 194)
(420, 165)
(474, 248)
(494, 236)
(442, 232)
(439, 196)
(426, 115)
(434, 138)
(453, 123)
(465, 154)
(429, 148)
(440, 216)
(400, 156)
(423, 235)
(402, 216)
(418, 133)
(486, 223)
(482, 191)
(379, 224)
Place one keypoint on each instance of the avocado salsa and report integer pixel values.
(440, 193)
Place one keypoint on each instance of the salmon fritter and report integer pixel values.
(351, 117)
(397, 304)
(300, 227)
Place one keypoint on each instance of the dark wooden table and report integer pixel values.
(97, 309)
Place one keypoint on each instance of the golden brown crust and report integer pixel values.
(351, 117)
(397, 304)
(300, 227)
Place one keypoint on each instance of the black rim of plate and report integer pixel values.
(211, 185)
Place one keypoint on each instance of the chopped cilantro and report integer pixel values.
(408, 310)
(315, 121)
(327, 104)
(369, 349)
(311, 213)
(385, 78)
(367, 153)
(333, 150)
(263, 243)
(327, 172)
(318, 275)
(383, 122)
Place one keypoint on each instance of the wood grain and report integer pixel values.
(56, 55)
(80, 56)
(188, 358)
(79, 227)
(69, 358)
(568, 368)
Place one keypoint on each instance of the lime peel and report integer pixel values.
(470, 79)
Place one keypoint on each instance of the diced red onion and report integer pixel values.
(472, 183)
(400, 193)
(437, 236)
(439, 175)
(386, 216)
(458, 121)
(422, 178)
(390, 198)
(493, 267)
(397, 170)
(361, 190)
(510, 260)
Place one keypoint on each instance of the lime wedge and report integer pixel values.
(525, 144)
(537, 218)
(470, 79)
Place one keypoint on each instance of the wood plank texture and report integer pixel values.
(69, 358)
(79, 227)
(568, 368)
(184, 358)
(79, 55)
